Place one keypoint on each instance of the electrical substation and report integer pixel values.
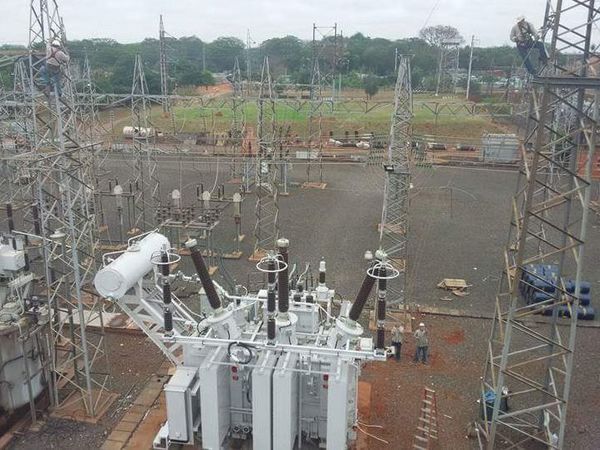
(252, 262)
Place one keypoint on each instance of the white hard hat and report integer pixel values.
(520, 18)
(421, 324)
(55, 43)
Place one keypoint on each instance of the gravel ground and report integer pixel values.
(133, 360)
(457, 358)
(459, 223)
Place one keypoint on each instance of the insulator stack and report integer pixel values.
(271, 302)
(202, 271)
(362, 297)
(166, 285)
(284, 282)
(382, 285)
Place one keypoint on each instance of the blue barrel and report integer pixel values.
(584, 286)
(583, 312)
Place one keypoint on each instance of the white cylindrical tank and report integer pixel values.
(123, 273)
(139, 132)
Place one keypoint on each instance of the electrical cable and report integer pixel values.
(244, 346)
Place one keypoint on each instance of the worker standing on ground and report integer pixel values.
(422, 341)
(526, 37)
(397, 340)
(56, 59)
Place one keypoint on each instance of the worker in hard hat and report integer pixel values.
(524, 34)
(422, 343)
(56, 59)
(397, 340)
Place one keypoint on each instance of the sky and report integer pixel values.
(133, 20)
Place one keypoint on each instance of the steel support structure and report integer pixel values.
(534, 364)
(266, 229)
(447, 76)
(325, 56)
(146, 182)
(238, 125)
(164, 68)
(394, 218)
(64, 197)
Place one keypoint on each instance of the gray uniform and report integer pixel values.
(56, 57)
(422, 347)
(523, 32)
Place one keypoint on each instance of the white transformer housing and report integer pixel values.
(114, 280)
(11, 260)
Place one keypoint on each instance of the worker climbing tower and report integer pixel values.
(527, 377)
(63, 195)
(394, 220)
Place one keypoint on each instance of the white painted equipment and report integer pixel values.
(115, 279)
(138, 132)
(23, 320)
(275, 367)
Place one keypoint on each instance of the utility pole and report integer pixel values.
(470, 66)
(545, 248)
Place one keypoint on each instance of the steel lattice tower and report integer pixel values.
(315, 123)
(146, 183)
(238, 124)
(447, 77)
(64, 197)
(266, 229)
(164, 68)
(325, 55)
(550, 214)
(394, 219)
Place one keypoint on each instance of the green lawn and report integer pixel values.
(340, 120)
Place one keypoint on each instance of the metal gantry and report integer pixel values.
(394, 219)
(237, 130)
(447, 76)
(325, 57)
(266, 229)
(530, 366)
(146, 182)
(164, 68)
(64, 197)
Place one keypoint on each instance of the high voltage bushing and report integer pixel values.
(362, 297)
(202, 271)
(284, 282)
(166, 285)
(382, 285)
(271, 301)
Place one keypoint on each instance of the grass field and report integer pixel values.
(349, 117)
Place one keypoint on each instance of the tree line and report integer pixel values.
(358, 58)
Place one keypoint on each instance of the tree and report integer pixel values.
(285, 54)
(371, 86)
(437, 34)
(221, 53)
